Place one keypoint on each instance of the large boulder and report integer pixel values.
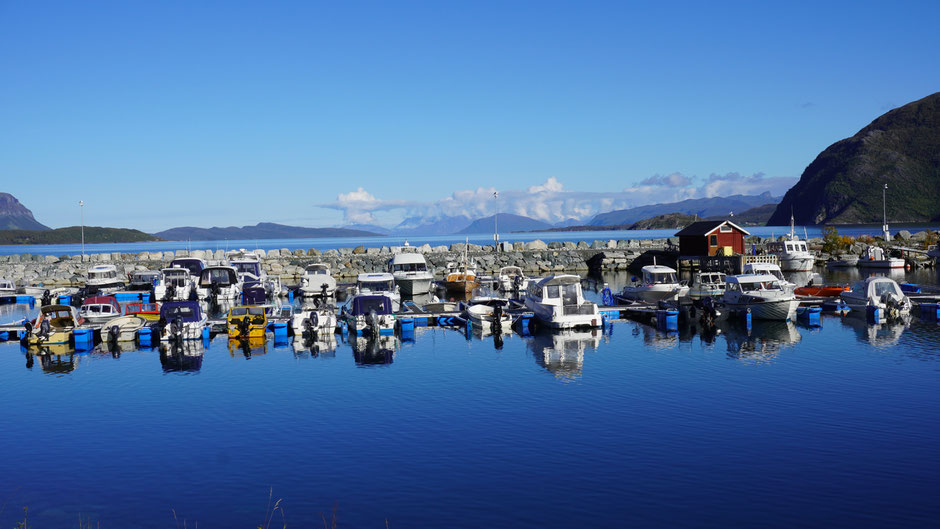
(536, 245)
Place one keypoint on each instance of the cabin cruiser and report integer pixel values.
(245, 323)
(144, 280)
(317, 281)
(875, 257)
(370, 314)
(193, 264)
(99, 309)
(54, 325)
(411, 273)
(792, 253)
(176, 285)
(218, 284)
(7, 287)
(488, 312)
(252, 274)
(707, 284)
(659, 283)
(185, 320)
(763, 294)
(768, 269)
(314, 320)
(512, 279)
(379, 283)
(558, 302)
(102, 278)
(878, 291)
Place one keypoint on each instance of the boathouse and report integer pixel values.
(711, 237)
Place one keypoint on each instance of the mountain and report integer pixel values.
(567, 222)
(665, 222)
(424, 226)
(844, 184)
(15, 216)
(752, 217)
(703, 207)
(262, 230)
(73, 235)
(507, 223)
(371, 228)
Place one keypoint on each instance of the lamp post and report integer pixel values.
(884, 212)
(496, 221)
(81, 205)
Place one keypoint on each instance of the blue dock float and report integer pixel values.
(84, 339)
(65, 300)
(667, 320)
(145, 337)
(873, 315)
(930, 311)
(809, 315)
(133, 296)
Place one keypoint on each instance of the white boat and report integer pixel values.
(512, 279)
(875, 257)
(317, 281)
(845, 260)
(369, 314)
(184, 320)
(792, 254)
(123, 328)
(489, 313)
(659, 283)
(411, 273)
(218, 284)
(768, 269)
(707, 284)
(195, 266)
(144, 280)
(762, 294)
(100, 309)
(104, 278)
(251, 273)
(557, 302)
(7, 287)
(312, 320)
(879, 291)
(176, 285)
(379, 283)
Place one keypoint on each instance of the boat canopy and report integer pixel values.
(408, 262)
(188, 311)
(877, 286)
(363, 305)
(317, 269)
(193, 264)
(250, 311)
(655, 274)
(220, 275)
(140, 308)
(145, 275)
(248, 267)
(102, 300)
(753, 282)
(376, 282)
(102, 272)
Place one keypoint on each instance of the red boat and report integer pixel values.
(820, 292)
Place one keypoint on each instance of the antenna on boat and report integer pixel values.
(496, 221)
(884, 208)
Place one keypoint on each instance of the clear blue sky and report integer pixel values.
(160, 114)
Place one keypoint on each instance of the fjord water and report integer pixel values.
(782, 426)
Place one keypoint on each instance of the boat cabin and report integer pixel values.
(59, 316)
(148, 311)
(176, 276)
(407, 262)
(764, 268)
(317, 269)
(711, 237)
(218, 275)
(752, 282)
(788, 246)
(102, 273)
(710, 278)
(375, 282)
(7, 286)
(194, 265)
(877, 286)
(187, 311)
(100, 307)
(146, 278)
(563, 290)
(365, 305)
(658, 274)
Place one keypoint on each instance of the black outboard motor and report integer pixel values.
(46, 298)
(244, 327)
(176, 329)
(498, 319)
(113, 333)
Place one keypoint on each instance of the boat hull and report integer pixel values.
(797, 264)
(886, 264)
(411, 286)
(779, 310)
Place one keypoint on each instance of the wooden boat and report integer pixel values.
(821, 291)
(461, 278)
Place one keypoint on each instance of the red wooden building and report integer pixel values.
(711, 237)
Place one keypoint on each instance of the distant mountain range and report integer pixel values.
(262, 230)
(703, 207)
(15, 216)
(438, 226)
(844, 184)
(507, 223)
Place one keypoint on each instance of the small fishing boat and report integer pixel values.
(762, 294)
(194, 265)
(317, 281)
(123, 328)
(659, 283)
(183, 320)
(558, 302)
(820, 291)
(104, 278)
(793, 254)
(218, 284)
(252, 274)
(147, 311)
(369, 314)
(844, 261)
(880, 292)
(314, 320)
(488, 312)
(707, 284)
(246, 322)
(461, 278)
(411, 273)
(7, 287)
(875, 257)
(54, 325)
(99, 309)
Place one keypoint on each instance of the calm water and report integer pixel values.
(785, 426)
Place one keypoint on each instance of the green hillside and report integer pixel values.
(73, 235)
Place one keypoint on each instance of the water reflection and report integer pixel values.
(254, 346)
(184, 357)
(762, 342)
(374, 351)
(883, 334)
(562, 352)
(56, 359)
(322, 345)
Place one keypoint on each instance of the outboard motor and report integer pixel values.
(46, 298)
(373, 323)
(176, 329)
(498, 319)
(244, 327)
(113, 333)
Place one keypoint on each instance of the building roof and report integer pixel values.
(705, 227)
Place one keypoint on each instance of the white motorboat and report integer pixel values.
(557, 302)
(875, 257)
(707, 284)
(659, 283)
(768, 269)
(845, 260)
(878, 291)
(489, 313)
(512, 279)
(176, 285)
(370, 314)
(195, 266)
(314, 320)
(7, 287)
(252, 274)
(411, 273)
(184, 320)
(379, 283)
(123, 328)
(104, 278)
(793, 254)
(100, 309)
(144, 280)
(317, 281)
(218, 284)
(762, 294)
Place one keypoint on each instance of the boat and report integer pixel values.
(821, 291)
(762, 294)
(176, 285)
(311, 321)
(512, 279)
(183, 320)
(369, 314)
(411, 273)
(252, 274)
(144, 280)
(104, 278)
(561, 353)
(379, 283)
(875, 257)
(317, 281)
(194, 265)
(880, 292)
(845, 260)
(54, 325)
(99, 309)
(218, 284)
(659, 283)
(7, 287)
(147, 311)
(557, 302)
(707, 284)
(792, 253)
(488, 312)
(461, 278)
(934, 251)
(768, 269)
(246, 322)
(123, 328)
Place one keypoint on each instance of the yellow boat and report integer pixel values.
(246, 322)
(54, 325)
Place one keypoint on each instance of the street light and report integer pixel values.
(81, 205)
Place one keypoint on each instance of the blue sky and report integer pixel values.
(161, 114)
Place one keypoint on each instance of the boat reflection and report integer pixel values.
(182, 357)
(883, 334)
(55, 359)
(897, 274)
(254, 346)
(561, 352)
(322, 345)
(374, 351)
(762, 342)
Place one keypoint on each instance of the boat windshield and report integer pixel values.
(219, 276)
(880, 288)
(657, 278)
(102, 275)
(409, 267)
(316, 270)
(247, 268)
(377, 286)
